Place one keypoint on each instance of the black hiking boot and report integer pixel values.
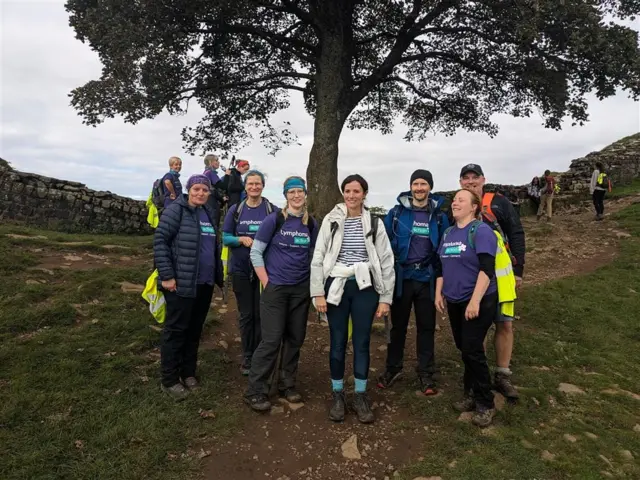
(503, 385)
(483, 416)
(467, 404)
(258, 402)
(363, 408)
(291, 395)
(177, 391)
(427, 385)
(387, 379)
(338, 407)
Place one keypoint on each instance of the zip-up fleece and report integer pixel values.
(176, 247)
(399, 225)
(327, 249)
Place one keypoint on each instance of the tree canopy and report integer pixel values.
(435, 65)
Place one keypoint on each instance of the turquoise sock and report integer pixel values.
(361, 386)
(337, 385)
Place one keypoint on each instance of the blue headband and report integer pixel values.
(294, 183)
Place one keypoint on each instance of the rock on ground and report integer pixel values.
(570, 389)
(350, 448)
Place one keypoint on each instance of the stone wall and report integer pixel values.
(69, 206)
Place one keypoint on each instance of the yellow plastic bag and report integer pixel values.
(151, 294)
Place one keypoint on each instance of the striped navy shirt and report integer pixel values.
(353, 248)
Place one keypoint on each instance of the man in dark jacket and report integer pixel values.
(232, 182)
(414, 227)
(500, 215)
(186, 248)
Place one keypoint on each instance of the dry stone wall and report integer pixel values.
(69, 206)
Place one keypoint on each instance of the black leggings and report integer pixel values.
(469, 338)
(598, 201)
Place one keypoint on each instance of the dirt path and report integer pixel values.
(304, 444)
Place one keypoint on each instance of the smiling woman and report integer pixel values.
(187, 255)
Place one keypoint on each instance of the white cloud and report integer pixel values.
(42, 62)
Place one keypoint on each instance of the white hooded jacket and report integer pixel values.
(326, 253)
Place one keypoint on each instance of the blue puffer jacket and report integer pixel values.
(399, 224)
(176, 247)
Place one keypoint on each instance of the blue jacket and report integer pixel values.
(176, 247)
(399, 225)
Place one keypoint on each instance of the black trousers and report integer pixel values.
(469, 338)
(417, 295)
(247, 291)
(181, 334)
(283, 313)
(598, 201)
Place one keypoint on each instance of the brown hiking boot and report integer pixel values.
(338, 407)
(291, 395)
(502, 383)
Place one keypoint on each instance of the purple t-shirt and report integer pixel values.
(420, 246)
(212, 175)
(288, 256)
(207, 258)
(248, 224)
(460, 264)
(177, 186)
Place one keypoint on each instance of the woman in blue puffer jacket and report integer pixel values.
(187, 255)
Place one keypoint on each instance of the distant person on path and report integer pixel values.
(187, 255)
(171, 182)
(467, 283)
(414, 227)
(533, 192)
(498, 213)
(598, 188)
(352, 277)
(281, 256)
(217, 196)
(547, 192)
(240, 227)
(233, 183)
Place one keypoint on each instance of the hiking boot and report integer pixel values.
(467, 404)
(245, 367)
(191, 383)
(502, 384)
(363, 408)
(291, 395)
(483, 416)
(387, 379)
(177, 391)
(427, 385)
(338, 407)
(258, 402)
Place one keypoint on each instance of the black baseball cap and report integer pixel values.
(472, 167)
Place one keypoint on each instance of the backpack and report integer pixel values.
(397, 211)
(489, 217)
(372, 233)
(157, 193)
(236, 214)
(604, 181)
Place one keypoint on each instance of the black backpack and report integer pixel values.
(236, 214)
(157, 193)
(372, 233)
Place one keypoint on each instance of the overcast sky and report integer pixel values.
(41, 62)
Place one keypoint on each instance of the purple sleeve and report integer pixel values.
(228, 226)
(267, 228)
(486, 241)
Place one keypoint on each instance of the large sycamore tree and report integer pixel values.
(436, 65)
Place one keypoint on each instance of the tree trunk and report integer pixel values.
(333, 82)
